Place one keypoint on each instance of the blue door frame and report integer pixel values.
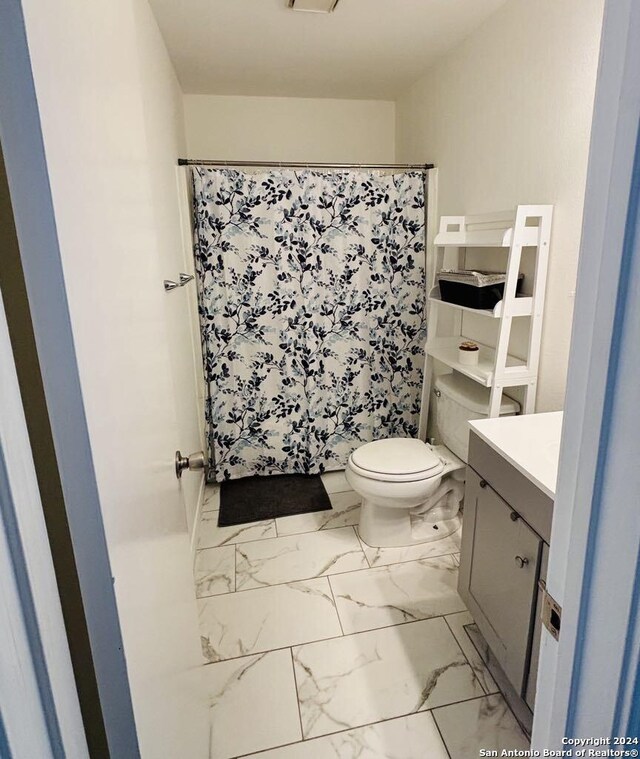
(26, 164)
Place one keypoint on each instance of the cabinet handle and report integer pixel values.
(521, 562)
(483, 483)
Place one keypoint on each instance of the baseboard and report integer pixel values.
(196, 520)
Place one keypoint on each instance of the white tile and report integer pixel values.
(297, 557)
(379, 557)
(211, 499)
(459, 624)
(485, 723)
(398, 593)
(215, 571)
(414, 737)
(367, 677)
(210, 535)
(335, 482)
(252, 704)
(251, 621)
(345, 511)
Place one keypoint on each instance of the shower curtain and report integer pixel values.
(312, 308)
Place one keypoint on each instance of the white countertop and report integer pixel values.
(531, 443)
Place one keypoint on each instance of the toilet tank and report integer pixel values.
(459, 400)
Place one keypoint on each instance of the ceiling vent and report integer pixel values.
(313, 6)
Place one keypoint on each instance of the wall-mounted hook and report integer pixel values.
(183, 278)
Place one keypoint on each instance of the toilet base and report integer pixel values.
(382, 527)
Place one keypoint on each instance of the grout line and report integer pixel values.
(329, 529)
(262, 521)
(322, 528)
(364, 553)
(410, 561)
(404, 561)
(444, 743)
(333, 595)
(359, 542)
(241, 542)
(271, 537)
(225, 592)
(333, 574)
(335, 492)
(307, 532)
(235, 568)
(480, 698)
(295, 685)
(359, 727)
(312, 532)
(334, 637)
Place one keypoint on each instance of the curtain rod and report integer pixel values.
(295, 165)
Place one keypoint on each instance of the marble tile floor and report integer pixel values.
(317, 646)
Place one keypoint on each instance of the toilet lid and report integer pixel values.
(397, 456)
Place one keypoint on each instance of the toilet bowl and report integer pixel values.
(411, 490)
(394, 477)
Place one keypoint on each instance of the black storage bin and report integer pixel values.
(474, 289)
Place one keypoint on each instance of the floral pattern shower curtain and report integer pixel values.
(312, 311)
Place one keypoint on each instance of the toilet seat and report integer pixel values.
(396, 460)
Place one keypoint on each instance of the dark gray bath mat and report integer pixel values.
(252, 499)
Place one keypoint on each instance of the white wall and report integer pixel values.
(110, 109)
(506, 117)
(290, 129)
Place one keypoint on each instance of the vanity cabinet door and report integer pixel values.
(502, 578)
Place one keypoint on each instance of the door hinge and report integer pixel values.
(551, 612)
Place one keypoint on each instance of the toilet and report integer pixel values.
(411, 490)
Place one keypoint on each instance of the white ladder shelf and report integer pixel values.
(529, 226)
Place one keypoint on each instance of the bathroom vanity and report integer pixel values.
(508, 508)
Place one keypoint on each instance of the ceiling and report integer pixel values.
(370, 49)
